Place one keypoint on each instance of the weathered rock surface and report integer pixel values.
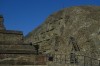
(76, 25)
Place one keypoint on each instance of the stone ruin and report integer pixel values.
(13, 50)
(70, 37)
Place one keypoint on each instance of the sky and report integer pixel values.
(26, 15)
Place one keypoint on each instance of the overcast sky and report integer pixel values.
(26, 15)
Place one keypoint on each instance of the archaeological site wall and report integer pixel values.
(11, 36)
(13, 51)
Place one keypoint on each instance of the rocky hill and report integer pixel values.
(75, 28)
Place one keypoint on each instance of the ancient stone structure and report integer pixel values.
(70, 37)
(13, 51)
(70, 32)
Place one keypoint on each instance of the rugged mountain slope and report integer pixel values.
(76, 25)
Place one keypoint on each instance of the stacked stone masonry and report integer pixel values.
(13, 50)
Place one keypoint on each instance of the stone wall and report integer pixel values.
(11, 36)
(22, 59)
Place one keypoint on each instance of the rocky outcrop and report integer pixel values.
(75, 29)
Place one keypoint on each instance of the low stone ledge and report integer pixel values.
(16, 52)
